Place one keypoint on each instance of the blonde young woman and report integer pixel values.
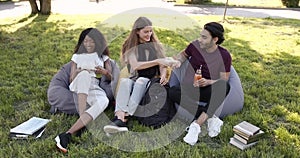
(145, 59)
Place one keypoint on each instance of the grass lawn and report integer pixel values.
(256, 3)
(250, 3)
(265, 54)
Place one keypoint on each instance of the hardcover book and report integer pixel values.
(247, 140)
(245, 128)
(241, 145)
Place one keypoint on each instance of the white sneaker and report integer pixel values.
(193, 133)
(214, 126)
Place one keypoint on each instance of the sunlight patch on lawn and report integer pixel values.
(294, 117)
(257, 3)
(258, 66)
(279, 110)
(285, 37)
(18, 23)
(284, 136)
(160, 21)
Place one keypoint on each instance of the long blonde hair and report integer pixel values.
(132, 40)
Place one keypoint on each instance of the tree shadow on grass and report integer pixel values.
(30, 54)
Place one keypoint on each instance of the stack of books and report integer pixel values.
(245, 135)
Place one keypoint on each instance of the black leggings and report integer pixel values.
(188, 97)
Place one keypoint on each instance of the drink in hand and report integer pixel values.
(98, 75)
(198, 75)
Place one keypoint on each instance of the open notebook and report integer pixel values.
(35, 126)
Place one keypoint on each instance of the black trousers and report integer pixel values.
(188, 96)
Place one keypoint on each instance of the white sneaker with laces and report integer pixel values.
(214, 126)
(193, 133)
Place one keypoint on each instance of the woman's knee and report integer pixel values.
(83, 72)
(83, 76)
(126, 82)
(125, 86)
(140, 86)
(96, 109)
(105, 101)
(142, 81)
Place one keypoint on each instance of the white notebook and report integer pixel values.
(30, 126)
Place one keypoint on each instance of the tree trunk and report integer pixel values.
(34, 7)
(45, 7)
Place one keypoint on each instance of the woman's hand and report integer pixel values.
(163, 80)
(100, 70)
(168, 61)
(173, 63)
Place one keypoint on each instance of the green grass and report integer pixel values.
(256, 3)
(250, 3)
(265, 54)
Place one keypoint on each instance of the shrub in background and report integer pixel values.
(197, 1)
(290, 3)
